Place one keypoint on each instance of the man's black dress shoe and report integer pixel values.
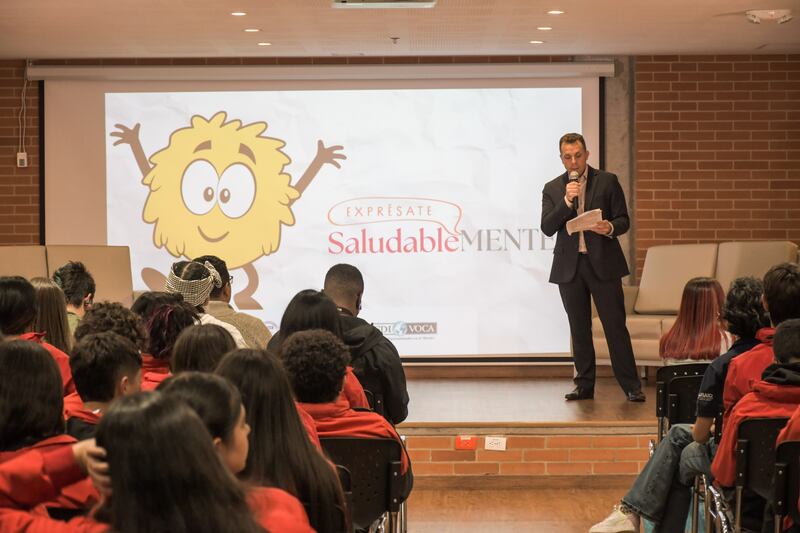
(636, 396)
(580, 393)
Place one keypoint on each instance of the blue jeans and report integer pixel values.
(665, 482)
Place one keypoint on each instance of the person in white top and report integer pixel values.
(194, 281)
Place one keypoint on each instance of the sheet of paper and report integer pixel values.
(585, 221)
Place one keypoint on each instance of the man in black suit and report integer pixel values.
(590, 264)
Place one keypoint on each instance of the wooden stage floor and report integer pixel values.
(523, 402)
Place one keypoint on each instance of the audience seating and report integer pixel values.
(755, 459)
(787, 483)
(375, 467)
(676, 394)
(652, 306)
(346, 480)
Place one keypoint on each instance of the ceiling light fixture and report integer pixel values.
(264, 44)
(781, 16)
(536, 42)
(238, 13)
(252, 30)
(544, 28)
(555, 12)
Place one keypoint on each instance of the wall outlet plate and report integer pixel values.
(22, 159)
(495, 443)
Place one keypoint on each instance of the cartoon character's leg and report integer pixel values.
(154, 279)
(244, 300)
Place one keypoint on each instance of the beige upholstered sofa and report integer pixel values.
(652, 306)
(110, 266)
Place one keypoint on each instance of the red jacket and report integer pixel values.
(767, 400)
(792, 430)
(278, 511)
(81, 495)
(61, 359)
(311, 428)
(338, 420)
(28, 480)
(746, 369)
(154, 371)
(353, 392)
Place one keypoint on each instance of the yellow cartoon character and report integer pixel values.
(219, 189)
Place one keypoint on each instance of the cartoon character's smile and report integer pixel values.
(211, 239)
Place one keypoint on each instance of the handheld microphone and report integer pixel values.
(574, 176)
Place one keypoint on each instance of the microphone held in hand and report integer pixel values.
(574, 176)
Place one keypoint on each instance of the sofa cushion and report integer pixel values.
(736, 259)
(666, 271)
(26, 261)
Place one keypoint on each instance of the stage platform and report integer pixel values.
(549, 441)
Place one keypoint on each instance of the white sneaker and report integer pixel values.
(617, 522)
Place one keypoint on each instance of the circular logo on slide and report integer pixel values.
(399, 328)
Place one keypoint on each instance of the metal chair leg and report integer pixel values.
(706, 504)
(403, 518)
(393, 522)
(695, 503)
(737, 526)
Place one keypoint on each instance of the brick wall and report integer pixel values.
(717, 149)
(19, 187)
(531, 455)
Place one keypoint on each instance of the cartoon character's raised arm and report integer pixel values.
(324, 155)
(131, 137)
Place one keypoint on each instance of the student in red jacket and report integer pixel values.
(316, 362)
(310, 309)
(163, 328)
(218, 404)
(281, 454)
(777, 395)
(31, 405)
(17, 316)
(166, 476)
(782, 300)
(106, 366)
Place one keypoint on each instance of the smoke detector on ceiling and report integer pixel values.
(383, 4)
(780, 16)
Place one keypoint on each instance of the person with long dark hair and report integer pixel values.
(17, 317)
(281, 454)
(166, 476)
(698, 333)
(310, 309)
(219, 405)
(163, 328)
(51, 314)
(31, 413)
(200, 347)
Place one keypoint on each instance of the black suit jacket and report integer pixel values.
(603, 191)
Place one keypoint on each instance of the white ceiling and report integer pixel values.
(37, 29)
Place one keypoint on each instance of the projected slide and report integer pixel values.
(434, 194)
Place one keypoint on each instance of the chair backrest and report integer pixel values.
(374, 466)
(787, 480)
(110, 267)
(751, 258)
(755, 454)
(346, 480)
(676, 391)
(26, 261)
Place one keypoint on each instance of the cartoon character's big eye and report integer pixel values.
(199, 187)
(236, 190)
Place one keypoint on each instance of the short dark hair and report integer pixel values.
(571, 138)
(99, 361)
(76, 282)
(316, 362)
(344, 280)
(782, 292)
(215, 400)
(17, 305)
(113, 316)
(31, 395)
(743, 310)
(220, 266)
(149, 301)
(164, 326)
(786, 342)
(201, 347)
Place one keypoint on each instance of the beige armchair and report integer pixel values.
(652, 306)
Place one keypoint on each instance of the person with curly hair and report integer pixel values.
(79, 288)
(316, 361)
(113, 316)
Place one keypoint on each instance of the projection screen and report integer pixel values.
(432, 188)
